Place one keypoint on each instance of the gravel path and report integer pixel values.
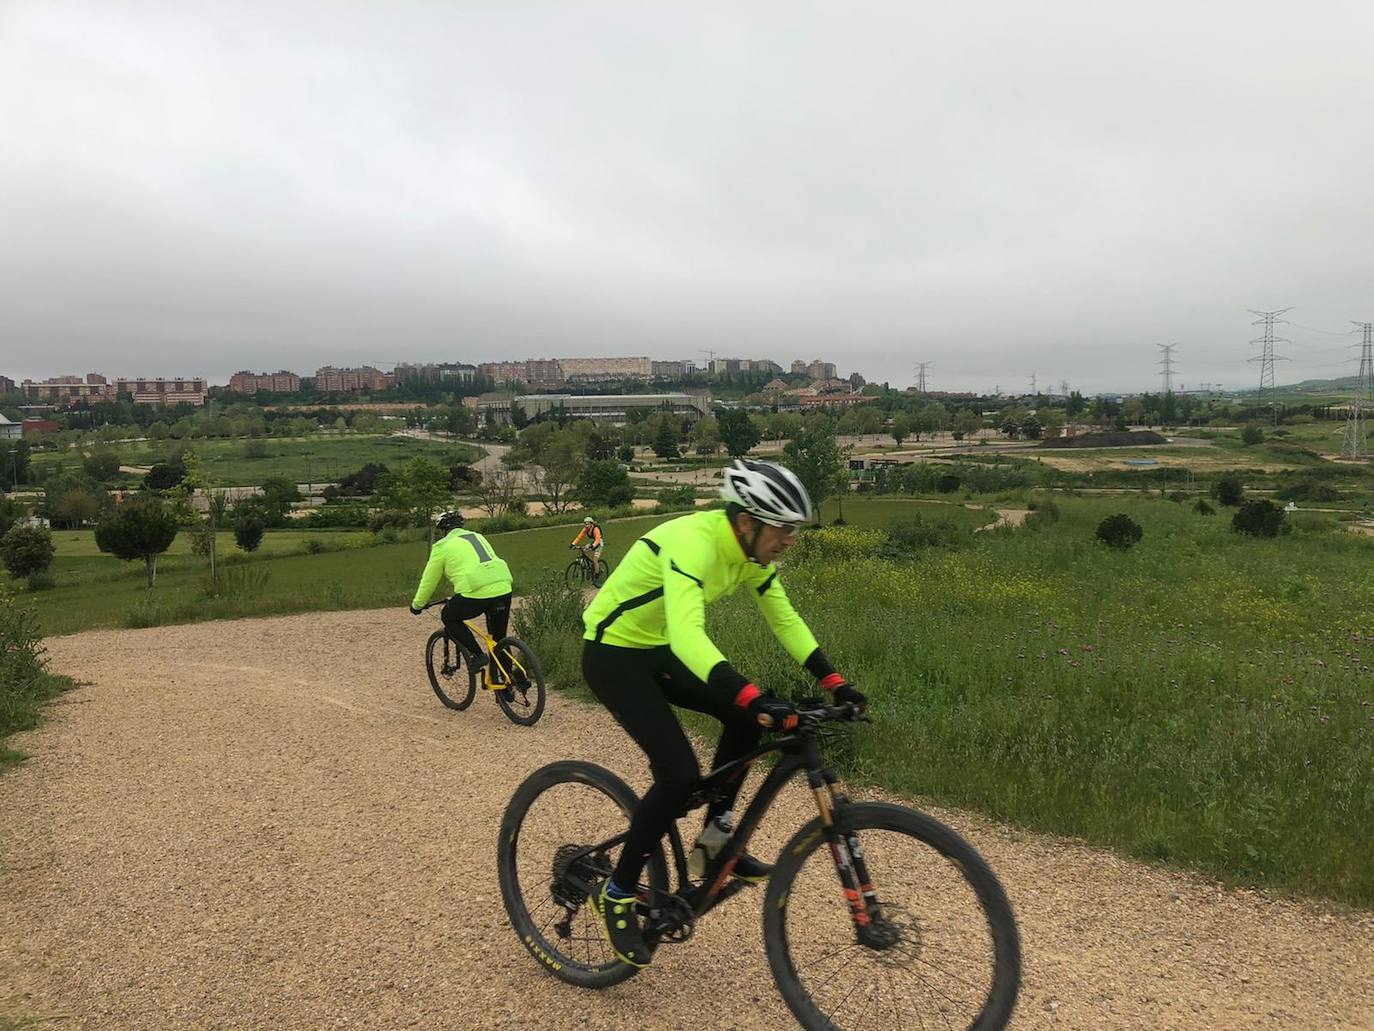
(273, 823)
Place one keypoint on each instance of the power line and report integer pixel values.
(1268, 357)
(921, 377)
(1357, 427)
(1168, 362)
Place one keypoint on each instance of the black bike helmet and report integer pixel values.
(450, 521)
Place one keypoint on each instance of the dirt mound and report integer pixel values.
(273, 824)
(1122, 438)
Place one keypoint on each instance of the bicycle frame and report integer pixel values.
(800, 753)
(488, 644)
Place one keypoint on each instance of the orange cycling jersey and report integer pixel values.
(591, 533)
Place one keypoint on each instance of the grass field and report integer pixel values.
(95, 590)
(320, 459)
(1203, 698)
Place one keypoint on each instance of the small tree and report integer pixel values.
(1202, 508)
(1252, 435)
(1119, 531)
(817, 459)
(1229, 490)
(164, 476)
(103, 465)
(26, 550)
(600, 480)
(248, 533)
(142, 527)
(665, 442)
(1259, 518)
(737, 431)
(900, 428)
(626, 453)
(11, 511)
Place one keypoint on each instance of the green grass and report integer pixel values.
(321, 459)
(1205, 698)
(100, 591)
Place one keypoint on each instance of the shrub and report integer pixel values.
(26, 550)
(164, 476)
(919, 532)
(620, 496)
(1229, 490)
(1260, 518)
(43, 580)
(1308, 491)
(1202, 508)
(948, 483)
(254, 449)
(391, 518)
(549, 620)
(1119, 531)
(1251, 436)
(1043, 513)
(248, 533)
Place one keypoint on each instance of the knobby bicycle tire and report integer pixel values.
(532, 671)
(1005, 979)
(546, 951)
(462, 681)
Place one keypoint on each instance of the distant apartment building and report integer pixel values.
(436, 372)
(69, 390)
(331, 380)
(6, 385)
(536, 373)
(815, 368)
(162, 390)
(726, 365)
(587, 370)
(282, 382)
(670, 370)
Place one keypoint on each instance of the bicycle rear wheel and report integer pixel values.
(444, 663)
(548, 859)
(523, 699)
(941, 948)
(601, 574)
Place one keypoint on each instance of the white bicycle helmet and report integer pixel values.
(768, 492)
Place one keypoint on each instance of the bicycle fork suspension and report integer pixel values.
(845, 850)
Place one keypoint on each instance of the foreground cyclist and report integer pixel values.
(596, 540)
(646, 650)
(481, 583)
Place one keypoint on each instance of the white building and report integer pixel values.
(10, 430)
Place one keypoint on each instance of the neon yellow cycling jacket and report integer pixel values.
(471, 565)
(659, 593)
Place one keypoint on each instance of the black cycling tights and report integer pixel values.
(458, 608)
(640, 686)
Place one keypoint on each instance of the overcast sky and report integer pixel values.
(995, 188)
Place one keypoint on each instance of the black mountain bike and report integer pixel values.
(875, 916)
(512, 673)
(580, 571)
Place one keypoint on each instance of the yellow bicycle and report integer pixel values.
(512, 673)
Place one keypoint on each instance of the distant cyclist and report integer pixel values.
(645, 650)
(596, 540)
(481, 583)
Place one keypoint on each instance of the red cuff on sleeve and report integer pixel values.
(747, 694)
(831, 682)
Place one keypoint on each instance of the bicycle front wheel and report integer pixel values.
(522, 699)
(574, 576)
(548, 859)
(444, 663)
(937, 948)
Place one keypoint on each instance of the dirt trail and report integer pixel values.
(273, 824)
